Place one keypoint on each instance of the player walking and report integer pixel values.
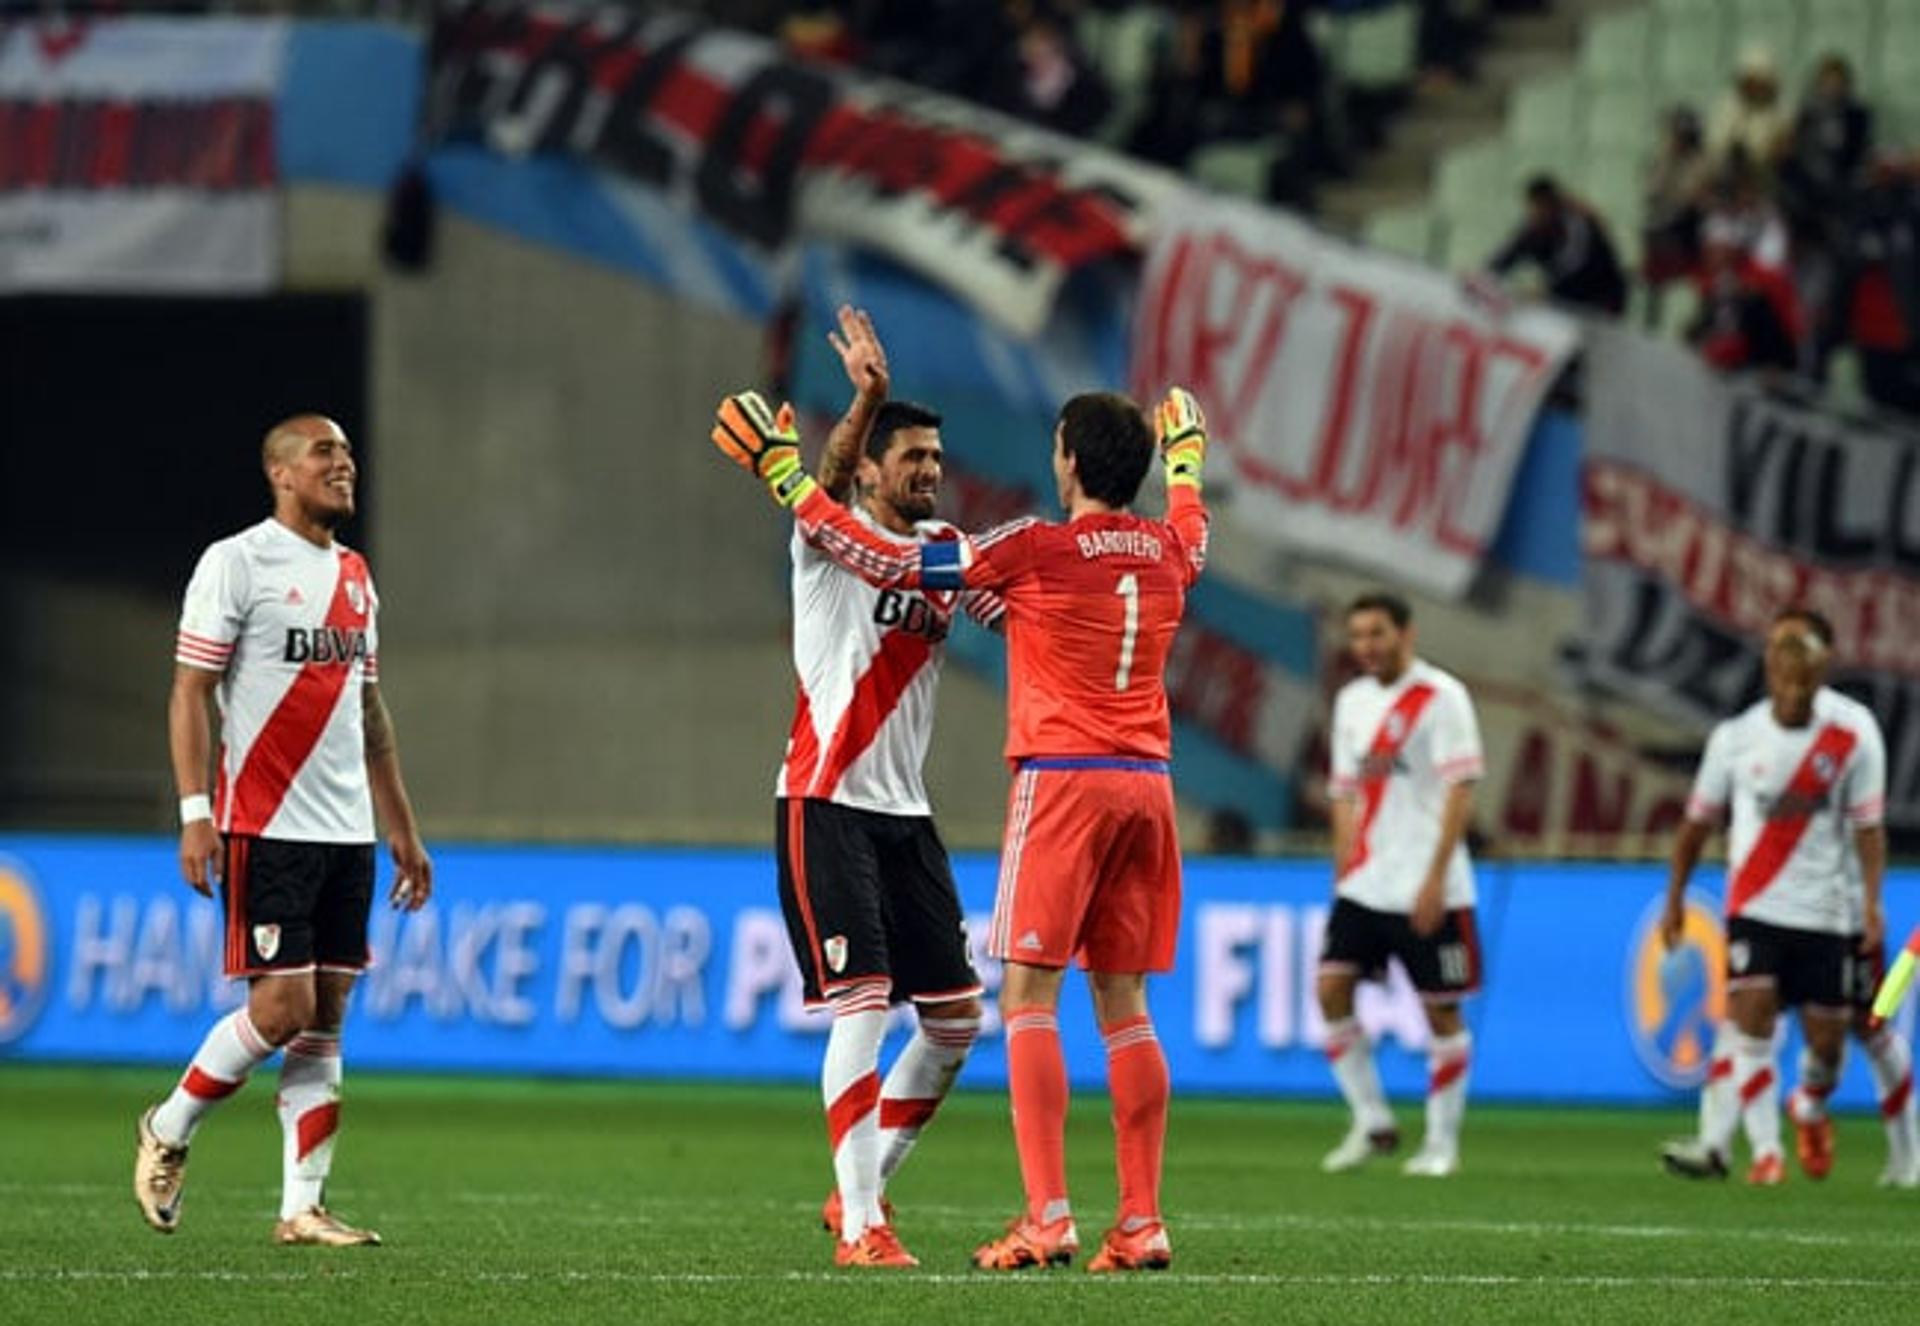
(1090, 869)
(279, 624)
(1406, 757)
(865, 884)
(1804, 773)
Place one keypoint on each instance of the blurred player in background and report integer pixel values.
(1406, 757)
(1803, 772)
(279, 626)
(1090, 869)
(865, 884)
(1808, 857)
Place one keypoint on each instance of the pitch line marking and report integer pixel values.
(1386, 1280)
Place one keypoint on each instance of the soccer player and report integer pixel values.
(1406, 757)
(1090, 870)
(868, 894)
(1804, 773)
(279, 626)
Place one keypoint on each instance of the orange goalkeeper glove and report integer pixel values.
(1181, 428)
(763, 443)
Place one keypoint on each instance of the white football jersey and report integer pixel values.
(1796, 795)
(868, 662)
(1396, 751)
(291, 628)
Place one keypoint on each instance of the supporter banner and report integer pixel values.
(658, 963)
(773, 148)
(139, 155)
(1710, 506)
(1370, 410)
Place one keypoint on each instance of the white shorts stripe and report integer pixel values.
(998, 938)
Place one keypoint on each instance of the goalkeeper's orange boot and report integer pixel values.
(1144, 1248)
(1028, 1243)
(831, 1212)
(1768, 1171)
(879, 1246)
(1813, 1144)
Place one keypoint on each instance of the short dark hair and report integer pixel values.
(1379, 600)
(1110, 442)
(1543, 189)
(1816, 622)
(891, 418)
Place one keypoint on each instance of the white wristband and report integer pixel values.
(199, 806)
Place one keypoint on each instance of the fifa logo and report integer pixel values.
(23, 952)
(1674, 1001)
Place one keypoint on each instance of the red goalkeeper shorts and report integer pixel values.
(1090, 869)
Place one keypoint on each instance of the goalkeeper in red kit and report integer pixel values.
(1090, 867)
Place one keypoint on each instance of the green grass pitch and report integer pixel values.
(533, 1202)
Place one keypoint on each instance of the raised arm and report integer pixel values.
(865, 360)
(1181, 428)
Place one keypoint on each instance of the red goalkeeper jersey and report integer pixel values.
(1092, 608)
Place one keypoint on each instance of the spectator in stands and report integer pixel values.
(1749, 120)
(1047, 77)
(1832, 135)
(1742, 323)
(1678, 180)
(1568, 242)
(1880, 281)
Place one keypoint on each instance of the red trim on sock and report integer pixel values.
(316, 1126)
(1753, 1086)
(1718, 1069)
(1896, 1100)
(1446, 1075)
(907, 1112)
(204, 1086)
(851, 1106)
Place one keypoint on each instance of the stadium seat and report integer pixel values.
(1622, 120)
(1407, 231)
(1614, 184)
(1474, 237)
(1690, 59)
(1123, 45)
(1545, 114)
(1470, 175)
(1237, 166)
(1615, 51)
(1774, 24)
(1377, 50)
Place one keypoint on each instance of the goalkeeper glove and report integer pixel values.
(1182, 431)
(763, 443)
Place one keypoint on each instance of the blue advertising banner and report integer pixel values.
(675, 963)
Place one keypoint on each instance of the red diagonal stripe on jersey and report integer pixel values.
(803, 744)
(298, 721)
(908, 1113)
(316, 1126)
(1812, 781)
(1395, 728)
(851, 1106)
(895, 664)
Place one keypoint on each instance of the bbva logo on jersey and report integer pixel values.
(912, 613)
(325, 644)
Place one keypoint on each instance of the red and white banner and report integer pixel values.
(1369, 409)
(1708, 506)
(775, 149)
(138, 155)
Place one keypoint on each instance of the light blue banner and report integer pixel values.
(648, 963)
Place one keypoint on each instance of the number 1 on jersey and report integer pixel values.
(1128, 589)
